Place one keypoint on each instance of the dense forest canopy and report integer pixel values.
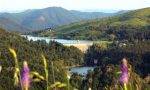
(107, 58)
(137, 52)
(31, 51)
(107, 55)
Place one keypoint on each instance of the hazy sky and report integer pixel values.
(17, 5)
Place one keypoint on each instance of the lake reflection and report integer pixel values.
(62, 41)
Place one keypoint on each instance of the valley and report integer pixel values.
(58, 49)
(130, 25)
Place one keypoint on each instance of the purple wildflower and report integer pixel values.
(25, 77)
(124, 78)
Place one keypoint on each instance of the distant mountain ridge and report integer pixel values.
(51, 17)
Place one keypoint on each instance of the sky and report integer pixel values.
(20, 5)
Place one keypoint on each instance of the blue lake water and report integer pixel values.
(63, 41)
(81, 70)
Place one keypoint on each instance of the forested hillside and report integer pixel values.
(106, 57)
(107, 60)
(31, 52)
(131, 25)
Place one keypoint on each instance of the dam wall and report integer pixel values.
(82, 46)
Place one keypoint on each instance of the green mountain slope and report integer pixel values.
(50, 17)
(130, 25)
(11, 26)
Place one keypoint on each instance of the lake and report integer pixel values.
(62, 41)
(81, 70)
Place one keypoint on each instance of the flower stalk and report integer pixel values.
(17, 70)
(25, 77)
(124, 78)
(46, 70)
